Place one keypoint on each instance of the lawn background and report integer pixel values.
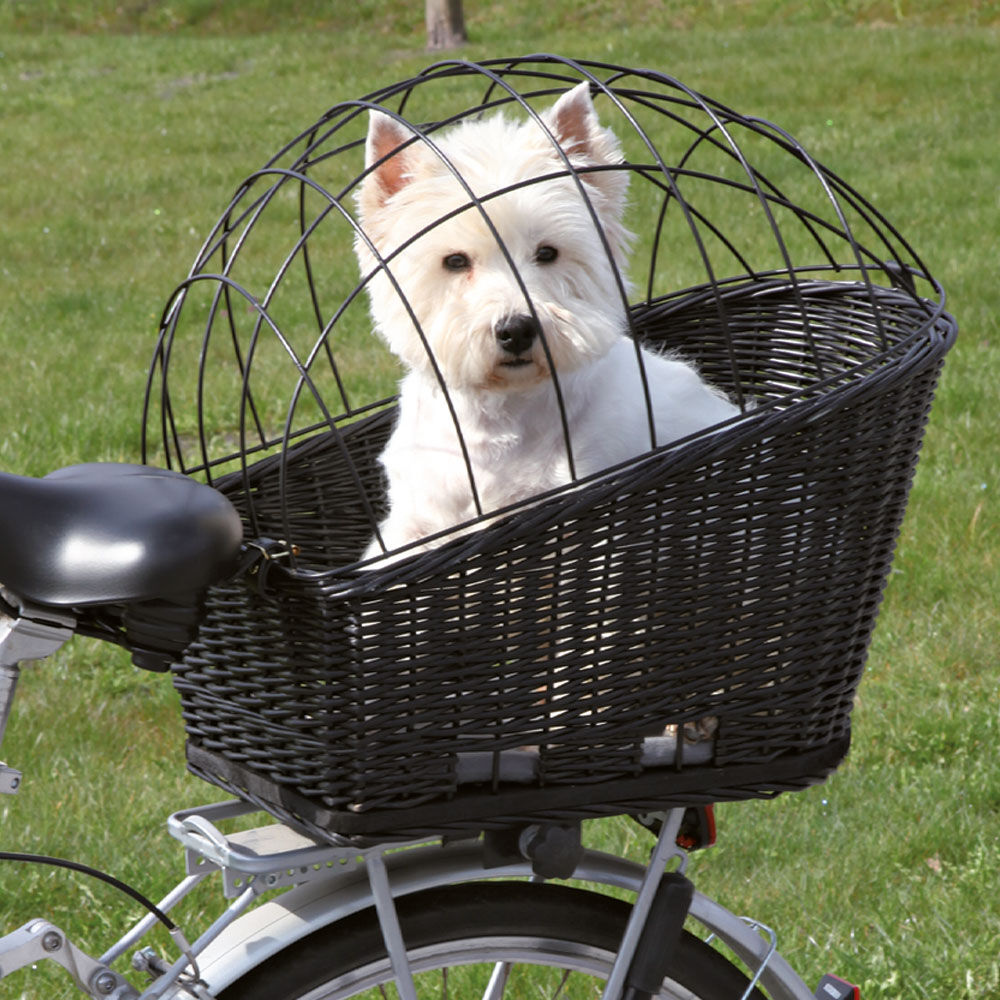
(124, 129)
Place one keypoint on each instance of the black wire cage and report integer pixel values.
(689, 625)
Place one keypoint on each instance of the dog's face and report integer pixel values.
(494, 296)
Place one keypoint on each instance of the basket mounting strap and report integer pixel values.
(259, 556)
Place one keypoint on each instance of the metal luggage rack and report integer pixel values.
(689, 626)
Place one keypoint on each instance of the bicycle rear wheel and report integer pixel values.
(543, 940)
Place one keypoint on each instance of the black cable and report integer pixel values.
(75, 866)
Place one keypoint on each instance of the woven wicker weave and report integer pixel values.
(544, 664)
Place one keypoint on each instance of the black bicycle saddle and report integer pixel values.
(108, 534)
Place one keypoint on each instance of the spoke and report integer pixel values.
(498, 981)
(559, 992)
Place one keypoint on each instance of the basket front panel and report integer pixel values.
(321, 497)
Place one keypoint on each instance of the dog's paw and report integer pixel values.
(697, 731)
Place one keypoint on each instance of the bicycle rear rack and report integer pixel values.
(275, 854)
(272, 857)
(256, 861)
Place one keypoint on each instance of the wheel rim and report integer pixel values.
(536, 969)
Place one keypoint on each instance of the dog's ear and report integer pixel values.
(573, 121)
(389, 172)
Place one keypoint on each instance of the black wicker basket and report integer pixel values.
(688, 626)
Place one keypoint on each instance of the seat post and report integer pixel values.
(26, 633)
(10, 779)
(9, 675)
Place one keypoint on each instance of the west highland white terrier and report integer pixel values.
(505, 310)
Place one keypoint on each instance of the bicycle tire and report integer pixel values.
(455, 936)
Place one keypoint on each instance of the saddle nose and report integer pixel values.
(515, 334)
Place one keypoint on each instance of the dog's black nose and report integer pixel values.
(516, 334)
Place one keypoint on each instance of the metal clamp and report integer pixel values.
(38, 940)
(10, 779)
(26, 633)
(769, 936)
(33, 633)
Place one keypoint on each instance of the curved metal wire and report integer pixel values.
(648, 110)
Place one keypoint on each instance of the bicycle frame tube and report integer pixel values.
(337, 893)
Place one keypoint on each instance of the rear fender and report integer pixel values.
(336, 893)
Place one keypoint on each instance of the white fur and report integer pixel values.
(508, 414)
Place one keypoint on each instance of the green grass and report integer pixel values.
(125, 131)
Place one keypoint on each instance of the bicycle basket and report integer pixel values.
(689, 624)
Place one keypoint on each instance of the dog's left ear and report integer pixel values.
(574, 123)
(388, 155)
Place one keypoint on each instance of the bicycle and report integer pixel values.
(412, 727)
(366, 901)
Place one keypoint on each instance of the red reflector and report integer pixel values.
(697, 828)
(834, 988)
(710, 825)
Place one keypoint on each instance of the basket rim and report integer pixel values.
(924, 345)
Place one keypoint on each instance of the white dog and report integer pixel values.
(483, 304)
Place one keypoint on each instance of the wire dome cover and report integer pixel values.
(726, 581)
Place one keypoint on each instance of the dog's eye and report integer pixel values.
(546, 254)
(456, 262)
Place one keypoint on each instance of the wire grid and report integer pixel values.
(733, 577)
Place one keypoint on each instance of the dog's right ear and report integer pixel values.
(390, 171)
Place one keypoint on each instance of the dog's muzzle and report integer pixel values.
(515, 335)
